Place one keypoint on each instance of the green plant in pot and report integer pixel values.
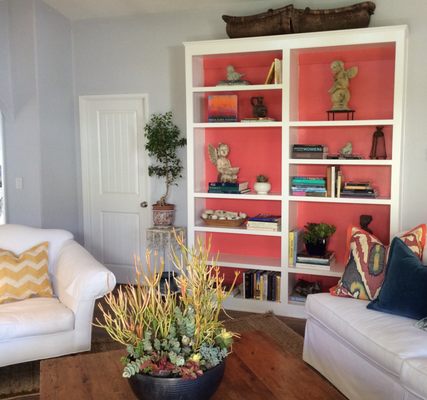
(163, 139)
(316, 237)
(262, 185)
(176, 344)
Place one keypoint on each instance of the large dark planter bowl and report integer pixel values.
(147, 387)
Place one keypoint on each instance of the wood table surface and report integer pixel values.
(258, 369)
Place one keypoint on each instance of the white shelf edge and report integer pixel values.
(247, 262)
(246, 196)
(236, 88)
(238, 231)
(327, 161)
(334, 272)
(362, 122)
(340, 200)
(271, 124)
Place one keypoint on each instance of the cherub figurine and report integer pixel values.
(340, 94)
(218, 157)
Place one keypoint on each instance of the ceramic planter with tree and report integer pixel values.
(262, 185)
(316, 237)
(176, 344)
(163, 139)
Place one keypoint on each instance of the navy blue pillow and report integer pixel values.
(404, 291)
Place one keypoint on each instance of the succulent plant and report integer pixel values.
(316, 231)
(262, 178)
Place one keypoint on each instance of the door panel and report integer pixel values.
(116, 180)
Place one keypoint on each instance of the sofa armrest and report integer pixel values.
(78, 276)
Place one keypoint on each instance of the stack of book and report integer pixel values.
(358, 189)
(296, 244)
(229, 187)
(261, 285)
(305, 260)
(311, 151)
(308, 186)
(264, 222)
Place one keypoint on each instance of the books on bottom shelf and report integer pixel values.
(261, 285)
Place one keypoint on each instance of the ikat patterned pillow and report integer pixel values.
(365, 270)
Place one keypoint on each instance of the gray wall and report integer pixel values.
(37, 100)
(146, 55)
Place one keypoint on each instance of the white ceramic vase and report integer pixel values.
(262, 187)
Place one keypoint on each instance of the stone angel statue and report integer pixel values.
(218, 157)
(340, 93)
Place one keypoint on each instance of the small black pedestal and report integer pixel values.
(331, 113)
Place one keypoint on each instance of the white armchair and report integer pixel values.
(38, 328)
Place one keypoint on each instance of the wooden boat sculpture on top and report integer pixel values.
(292, 20)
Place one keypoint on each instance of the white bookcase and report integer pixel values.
(298, 106)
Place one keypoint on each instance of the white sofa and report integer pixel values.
(366, 354)
(39, 328)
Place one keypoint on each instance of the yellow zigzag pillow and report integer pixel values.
(25, 275)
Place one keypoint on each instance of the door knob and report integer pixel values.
(144, 204)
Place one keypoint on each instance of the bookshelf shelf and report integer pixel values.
(221, 125)
(246, 196)
(303, 161)
(341, 200)
(376, 122)
(238, 231)
(299, 107)
(237, 88)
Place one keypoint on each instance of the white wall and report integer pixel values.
(36, 98)
(146, 55)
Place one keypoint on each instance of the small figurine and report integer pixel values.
(218, 157)
(233, 78)
(340, 93)
(347, 149)
(233, 75)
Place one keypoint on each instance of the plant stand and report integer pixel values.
(162, 240)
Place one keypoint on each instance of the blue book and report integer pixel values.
(265, 218)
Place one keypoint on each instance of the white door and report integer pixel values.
(115, 179)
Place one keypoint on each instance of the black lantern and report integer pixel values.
(378, 151)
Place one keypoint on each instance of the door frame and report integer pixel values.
(84, 101)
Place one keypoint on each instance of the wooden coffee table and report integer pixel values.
(258, 369)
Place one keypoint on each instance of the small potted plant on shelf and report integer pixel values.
(316, 237)
(163, 139)
(176, 344)
(262, 185)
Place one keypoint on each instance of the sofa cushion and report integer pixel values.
(18, 238)
(24, 275)
(385, 339)
(33, 317)
(404, 291)
(414, 376)
(365, 271)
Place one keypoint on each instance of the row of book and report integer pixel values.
(261, 285)
(264, 222)
(308, 186)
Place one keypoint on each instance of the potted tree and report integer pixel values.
(316, 237)
(176, 345)
(163, 139)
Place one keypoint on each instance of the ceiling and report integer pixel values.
(86, 9)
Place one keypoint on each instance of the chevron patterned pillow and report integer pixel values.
(25, 275)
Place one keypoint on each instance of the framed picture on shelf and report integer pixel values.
(222, 108)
